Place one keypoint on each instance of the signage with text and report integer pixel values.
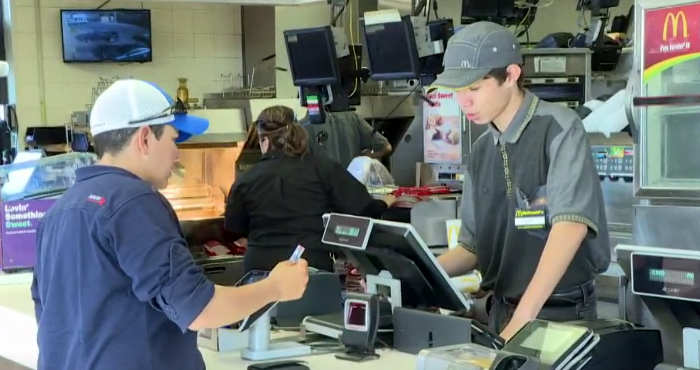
(442, 128)
(19, 220)
(671, 36)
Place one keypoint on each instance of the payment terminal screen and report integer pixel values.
(252, 277)
(551, 342)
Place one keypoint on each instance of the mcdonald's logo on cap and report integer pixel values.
(673, 20)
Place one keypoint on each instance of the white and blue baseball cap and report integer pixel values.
(134, 103)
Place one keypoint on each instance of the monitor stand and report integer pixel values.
(260, 348)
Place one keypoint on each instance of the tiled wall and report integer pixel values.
(199, 41)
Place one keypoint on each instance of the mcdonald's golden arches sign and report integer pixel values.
(671, 36)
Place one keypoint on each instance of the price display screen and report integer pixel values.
(666, 277)
(347, 231)
(669, 276)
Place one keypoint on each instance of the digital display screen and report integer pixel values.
(347, 231)
(669, 277)
(106, 35)
(617, 152)
(552, 343)
(357, 312)
(312, 56)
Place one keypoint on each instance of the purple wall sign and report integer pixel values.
(18, 239)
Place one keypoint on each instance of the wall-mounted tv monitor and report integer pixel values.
(116, 35)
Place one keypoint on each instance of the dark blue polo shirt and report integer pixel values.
(115, 286)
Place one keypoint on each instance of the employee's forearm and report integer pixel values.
(375, 209)
(232, 304)
(378, 154)
(458, 261)
(564, 240)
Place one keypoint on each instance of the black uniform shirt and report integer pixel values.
(280, 201)
(545, 152)
(343, 137)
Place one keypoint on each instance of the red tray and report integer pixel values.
(424, 191)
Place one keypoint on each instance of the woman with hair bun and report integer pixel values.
(279, 203)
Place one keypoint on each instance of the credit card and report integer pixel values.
(297, 253)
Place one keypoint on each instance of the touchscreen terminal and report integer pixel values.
(250, 278)
(549, 342)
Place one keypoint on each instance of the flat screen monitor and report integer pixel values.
(312, 57)
(397, 248)
(116, 35)
(392, 52)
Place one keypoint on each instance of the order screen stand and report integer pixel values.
(260, 348)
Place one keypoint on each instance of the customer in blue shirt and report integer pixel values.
(115, 286)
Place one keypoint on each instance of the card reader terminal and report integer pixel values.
(360, 326)
(556, 346)
(539, 345)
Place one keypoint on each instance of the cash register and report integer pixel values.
(400, 268)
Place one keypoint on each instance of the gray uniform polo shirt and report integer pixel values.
(347, 135)
(544, 151)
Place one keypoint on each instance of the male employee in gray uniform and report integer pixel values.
(344, 136)
(533, 219)
(115, 285)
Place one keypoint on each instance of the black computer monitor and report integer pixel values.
(378, 245)
(349, 91)
(312, 57)
(392, 52)
(430, 66)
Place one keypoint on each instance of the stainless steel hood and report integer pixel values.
(405, 7)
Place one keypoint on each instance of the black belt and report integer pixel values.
(564, 298)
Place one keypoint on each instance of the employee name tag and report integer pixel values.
(530, 218)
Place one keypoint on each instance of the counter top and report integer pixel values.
(18, 337)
